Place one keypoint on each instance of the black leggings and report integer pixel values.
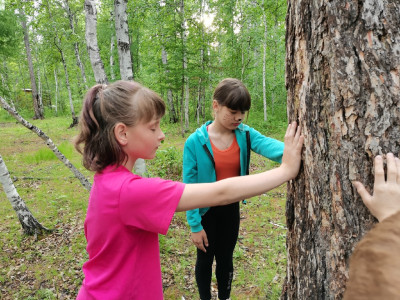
(221, 224)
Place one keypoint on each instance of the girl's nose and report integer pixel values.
(162, 136)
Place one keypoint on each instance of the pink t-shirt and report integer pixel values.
(125, 215)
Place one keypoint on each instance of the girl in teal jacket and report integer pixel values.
(217, 150)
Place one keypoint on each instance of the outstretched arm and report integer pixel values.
(385, 200)
(234, 189)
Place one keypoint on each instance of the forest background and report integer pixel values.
(181, 49)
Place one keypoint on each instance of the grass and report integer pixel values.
(50, 268)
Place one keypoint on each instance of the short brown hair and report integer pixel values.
(104, 106)
(375, 263)
(232, 93)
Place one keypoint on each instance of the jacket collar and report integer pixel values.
(202, 132)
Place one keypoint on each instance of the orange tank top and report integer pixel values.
(227, 162)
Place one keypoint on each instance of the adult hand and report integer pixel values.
(385, 200)
(200, 240)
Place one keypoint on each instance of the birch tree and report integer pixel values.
(86, 184)
(57, 43)
(39, 114)
(76, 45)
(30, 225)
(342, 74)
(123, 44)
(91, 42)
(125, 60)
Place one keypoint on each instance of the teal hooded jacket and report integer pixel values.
(198, 160)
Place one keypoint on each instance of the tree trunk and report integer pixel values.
(76, 45)
(125, 59)
(264, 83)
(56, 92)
(112, 74)
(86, 184)
(184, 62)
(122, 33)
(91, 42)
(342, 75)
(30, 225)
(35, 96)
(172, 113)
(57, 43)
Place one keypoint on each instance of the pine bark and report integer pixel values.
(342, 77)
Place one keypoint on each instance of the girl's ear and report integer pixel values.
(215, 105)
(120, 134)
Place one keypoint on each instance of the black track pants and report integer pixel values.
(221, 224)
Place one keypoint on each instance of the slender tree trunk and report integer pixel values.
(35, 96)
(86, 184)
(30, 225)
(112, 74)
(56, 93)
(172, 113)
(76, 45)
(122, 33)
(264, 62)
(184, 62)
(57, 43)
(91, 42)
(342, 75)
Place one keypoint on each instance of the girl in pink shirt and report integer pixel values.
(120, 123)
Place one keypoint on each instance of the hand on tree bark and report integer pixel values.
(385, 200)
(292, 152)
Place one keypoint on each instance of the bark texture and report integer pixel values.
(124, 45)
(30, 225)
(342, 77)
(91, 42)
(86, 184)
(39, 114)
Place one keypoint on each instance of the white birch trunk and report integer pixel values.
(57, 43)
(123, 44)
(36, 104)
(56, 94)
(112, 74)
(76, 46)
(124, 56)
(170, 100)
(91, 42)
(264, 63)
(29, 223)
(185, 77)
(86, 184)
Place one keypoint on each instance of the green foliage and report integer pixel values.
(9, 33)
(167, 164)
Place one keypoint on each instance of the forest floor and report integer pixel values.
(50, 267)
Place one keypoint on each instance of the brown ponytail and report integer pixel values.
(104, 106)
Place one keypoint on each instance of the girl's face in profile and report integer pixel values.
(142, 141)
(228, 118)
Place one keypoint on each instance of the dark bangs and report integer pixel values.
(232, 93)
(238, 99)
(149, 105)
